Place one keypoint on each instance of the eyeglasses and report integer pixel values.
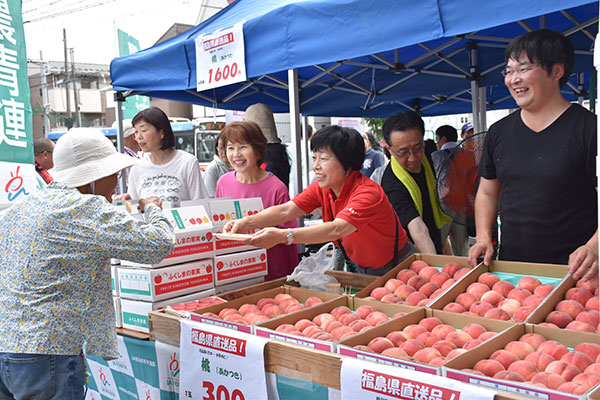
(522, 70)
(405, 153)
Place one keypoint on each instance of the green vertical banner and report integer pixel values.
(18, 178)
(130, 45)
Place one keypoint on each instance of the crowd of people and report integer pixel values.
(538, 172)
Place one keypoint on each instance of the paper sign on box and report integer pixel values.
(167, 282)
(193, 236)
(239, 266)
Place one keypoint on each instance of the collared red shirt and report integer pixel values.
(43, 173)
(55, 288)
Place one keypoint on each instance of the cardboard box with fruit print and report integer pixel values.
(225, 210)
(240, 266)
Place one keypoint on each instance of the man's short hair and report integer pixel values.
(402, 122)
(346, 143)
(546, 48)
(448, 132)
(41, 145)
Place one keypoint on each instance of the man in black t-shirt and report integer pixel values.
(410, 184)
(538, 165)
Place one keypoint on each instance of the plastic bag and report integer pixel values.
(310, 272)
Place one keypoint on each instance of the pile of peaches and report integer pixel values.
(197, 304)
(419, 284)
(580, 309)
(547, 363)
(266, 308)
(429, 342)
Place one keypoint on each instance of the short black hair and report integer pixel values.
(41, 145)
(402, 122)
(448, 132)
(157, 118)
(346, 143)
(546, 48)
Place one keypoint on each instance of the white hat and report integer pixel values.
(84, 156)
(263, 116)
(128, 128)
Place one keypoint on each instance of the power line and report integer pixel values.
(74, 10)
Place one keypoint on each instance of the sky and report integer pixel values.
(90, 24)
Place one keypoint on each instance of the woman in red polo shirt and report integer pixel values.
(356, 212)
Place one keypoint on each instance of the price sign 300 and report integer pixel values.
(222, 392)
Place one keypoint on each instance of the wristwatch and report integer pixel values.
(289, 237)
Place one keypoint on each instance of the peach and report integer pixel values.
(551, 381)
(358, 326)
(455, 353)
(310, 331)
(426, 355)
(246, 308)
(503, 287)
(395, 352)
(497, 313)
(430, 323)
(461, 272)
(403, 291)
(474, 329)
(379, 344)
(281, 297)
(379, 292)
(362, 348)
(488, 279)
(238, 318)
(580, 294)
(459, 338)
(454, 307)
(418, 265)
(312, 301)
(428, 289)
(392, 284)
(329, 326)
(285, 328)
(534, 339)
(591, 349)
(438, 361)
(578, 359)
(227, 311)
(591, 317)
(347, 319)
(256, 319)
(411, 346)
(487, 335)
(520, 349)
(522, 313)
(364, 310)
(439, 278)
(390, 298)
(492, 297)
(564, 369)
(466, 300)
(580, 326)
(523, 368)
(477, 289)
(444, 347)
(488, 367)
(398, 315)
(414, 298)
(427, 338)
(303, 324)
(509, 376)
(587, 379)
(518, 294)
(450, 268)
(472, 343)
(504, 357)
(427, 272)
(413, 330)
(553, 348)
(405, 274)
(543, 290)
(272, 310)
(339, 311)
(590, 285)
(437, 293)
(510, 306)
(480, 308)
(293, 307)
(285, 303)
(327, 337)
(321, 318)
(571, 387)
(592, 304)
(416, 282)
(448, 283)
(442, 330)
(263, 302)
(375, 317)
(340, 331)
(559, 318)
(529, 283)
(593, 369)
(571, 307)
(540, 360)
(396, 337)
(532, 301)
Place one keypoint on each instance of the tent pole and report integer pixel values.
(597, 66)
(482, 109)
(474, 85)
(580, 88)
(307, 160)
(294, 101)
(119, 99)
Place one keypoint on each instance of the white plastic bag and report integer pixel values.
(310, 272)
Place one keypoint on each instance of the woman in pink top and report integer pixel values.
(246, 147)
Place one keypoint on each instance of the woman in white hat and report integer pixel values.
(55, 248)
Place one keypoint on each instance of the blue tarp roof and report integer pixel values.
(378, 55)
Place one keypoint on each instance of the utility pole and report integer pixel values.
(44, 88)
(74, 80)
(66, 80)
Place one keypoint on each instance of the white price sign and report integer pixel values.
(220, 364)
(220, 58)
(370, 381)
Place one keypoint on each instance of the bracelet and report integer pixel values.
(289, 237)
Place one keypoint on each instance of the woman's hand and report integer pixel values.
(478, 249)
(150, 200)
(268, 237)
(124, 196)
(237, 226)
(583, 263)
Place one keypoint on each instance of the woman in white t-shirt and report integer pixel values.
(170, 174)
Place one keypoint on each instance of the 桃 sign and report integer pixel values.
(220, 363)
(220, 58)
(372, 381)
